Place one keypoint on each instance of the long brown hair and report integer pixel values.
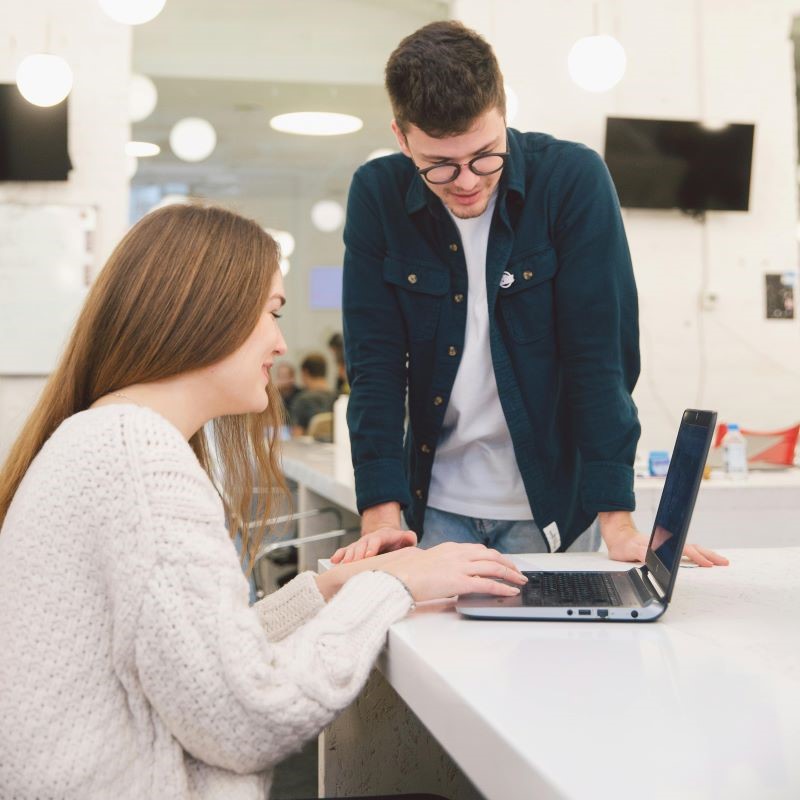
(183, 289)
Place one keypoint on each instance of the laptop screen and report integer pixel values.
(679, 494)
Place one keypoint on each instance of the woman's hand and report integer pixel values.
(446, 570)
(453, 568)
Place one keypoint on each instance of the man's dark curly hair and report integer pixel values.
(442, 77)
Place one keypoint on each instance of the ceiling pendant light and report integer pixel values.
(44, 79)
(327, 215)
(316, 123)
(132, 12)
(284, 239)
(193, 139)
(597, 63)
(142, 98)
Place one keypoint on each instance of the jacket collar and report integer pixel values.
(512, 180)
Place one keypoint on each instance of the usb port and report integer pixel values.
(584, 612)
(602, 612)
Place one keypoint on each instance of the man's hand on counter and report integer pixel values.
(380, 533)
(625, 543)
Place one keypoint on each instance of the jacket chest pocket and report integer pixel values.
(526, 302)
(419, 290)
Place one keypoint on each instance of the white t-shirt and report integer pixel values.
(475, 472)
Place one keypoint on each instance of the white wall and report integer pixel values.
(98, 50)
(687, 59)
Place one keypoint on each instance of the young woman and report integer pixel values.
(131, 664)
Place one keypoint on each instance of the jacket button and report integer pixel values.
(412, 278)
(527, 274)
(458, 298)
(454, 247)
(451, 351)
(418, 493)
(425, 448)
(438, 400)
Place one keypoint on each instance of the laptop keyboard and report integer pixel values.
(569, 589)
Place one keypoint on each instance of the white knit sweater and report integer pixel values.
(131, 665)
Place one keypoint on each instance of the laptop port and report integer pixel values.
(602, 612)
(584, 612)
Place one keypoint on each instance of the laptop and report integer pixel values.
(640, 594)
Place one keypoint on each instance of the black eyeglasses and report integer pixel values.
(485, 164)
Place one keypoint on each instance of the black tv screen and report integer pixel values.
(659, 163)
(33, 140)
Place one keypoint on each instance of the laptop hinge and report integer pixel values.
(645, 587)
(653, 587)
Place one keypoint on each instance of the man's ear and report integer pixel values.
(401, 139)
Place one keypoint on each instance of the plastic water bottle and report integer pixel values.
(734, 450)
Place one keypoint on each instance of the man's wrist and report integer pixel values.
(616, 525)
(384, 515)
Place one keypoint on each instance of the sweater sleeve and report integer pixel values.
(230, 696)
(283, 611)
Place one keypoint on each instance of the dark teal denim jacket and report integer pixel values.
(564, 332)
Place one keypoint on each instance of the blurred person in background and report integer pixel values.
(315, 397)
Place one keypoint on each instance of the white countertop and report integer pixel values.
(704, 703)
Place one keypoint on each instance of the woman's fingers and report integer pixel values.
(478, 552)
(477, 585)
(495, 569)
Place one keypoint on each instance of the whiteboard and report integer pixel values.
(46, 260)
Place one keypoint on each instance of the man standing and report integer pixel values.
(487, 275)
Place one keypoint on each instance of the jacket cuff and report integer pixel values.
(607, 486)
(381, 481)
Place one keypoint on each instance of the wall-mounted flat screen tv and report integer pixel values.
(657, 163)
(33, 140)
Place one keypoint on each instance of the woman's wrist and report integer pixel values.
(404, 585)
(328, 584)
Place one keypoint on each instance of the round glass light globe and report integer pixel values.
(284, 239)
(44, 79)
(597, 63)
(132, 12)
(193, 139)
(327, 215)
(142, 98)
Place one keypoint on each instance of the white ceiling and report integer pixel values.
(238, 63)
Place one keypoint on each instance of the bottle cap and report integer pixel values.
(732, 426)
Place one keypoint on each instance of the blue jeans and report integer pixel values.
(506, 536)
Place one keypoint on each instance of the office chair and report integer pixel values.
(270, 570)
(320, 426)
